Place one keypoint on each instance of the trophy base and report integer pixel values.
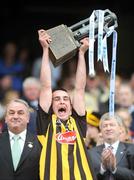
(63, 46)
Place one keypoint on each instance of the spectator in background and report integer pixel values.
(125, 135)
(92, 93)
(127, 120)
(125, 100)
(92, 133)
(125, 97)
(31, 92)
(10, 66)
(125, 115)
(27, 167)
(113, 159)
(5, 85)
(10, 95)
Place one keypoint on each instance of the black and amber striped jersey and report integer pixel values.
(64, 155)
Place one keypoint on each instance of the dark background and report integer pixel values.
(20, 21)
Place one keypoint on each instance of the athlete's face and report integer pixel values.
(61, 104)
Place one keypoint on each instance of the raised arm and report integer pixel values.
(45, 98)
(80, 83)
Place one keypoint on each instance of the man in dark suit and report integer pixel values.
(113, 160)
(27, 167)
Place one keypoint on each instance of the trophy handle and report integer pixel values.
(81, 29)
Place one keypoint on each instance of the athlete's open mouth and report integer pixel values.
(61, 110)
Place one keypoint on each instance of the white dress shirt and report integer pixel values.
(114, 146)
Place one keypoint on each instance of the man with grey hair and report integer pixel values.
(113, 159)
(31, 91)
(19, 149)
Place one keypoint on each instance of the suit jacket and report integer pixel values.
(125, 161)
(28, 167)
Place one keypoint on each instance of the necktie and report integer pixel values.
(16, 151)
